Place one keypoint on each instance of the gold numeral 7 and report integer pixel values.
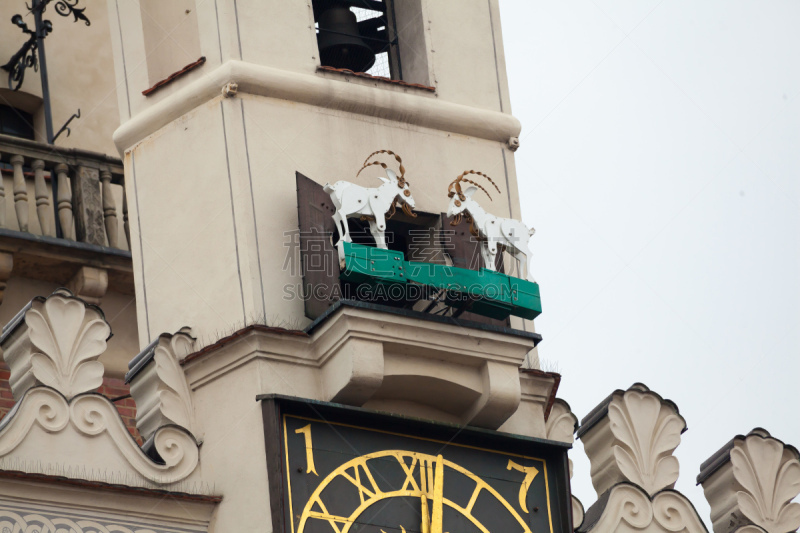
(530, 473)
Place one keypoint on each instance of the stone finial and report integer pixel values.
(750, 484)
(159, 386)
(630, 437)
(561, 426)
(55, 341)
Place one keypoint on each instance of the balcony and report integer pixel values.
(63, 218)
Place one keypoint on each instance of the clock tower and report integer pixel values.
(240, 121)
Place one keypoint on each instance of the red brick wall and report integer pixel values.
(6, 399)
(111, 388)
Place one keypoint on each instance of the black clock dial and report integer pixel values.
(339, 476)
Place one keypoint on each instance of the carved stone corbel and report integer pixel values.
(561, 426)
(89, 284)
(630, 437)
(750, 483)
(159, 387)
(55, 341)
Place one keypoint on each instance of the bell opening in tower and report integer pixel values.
(358, 35)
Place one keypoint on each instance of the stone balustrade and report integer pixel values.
(78, 195)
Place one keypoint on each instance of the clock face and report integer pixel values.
(345, 470)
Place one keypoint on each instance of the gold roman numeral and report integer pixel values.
(355, 479)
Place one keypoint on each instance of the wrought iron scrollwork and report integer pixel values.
(23, 59)
(66, 8)
(20, 62)
(26, 57)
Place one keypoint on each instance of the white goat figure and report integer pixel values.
(489, 229)
(374, 205)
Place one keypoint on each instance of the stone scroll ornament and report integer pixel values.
(492, 231)
(58, 346)
(51, 348)
(374, 205)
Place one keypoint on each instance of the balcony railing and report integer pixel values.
(63, 220)
(62, 193)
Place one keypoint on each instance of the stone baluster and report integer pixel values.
(64, 201)
(109, 209)
(43, 209)
(20, 192)
(125, 222)
(2, 201)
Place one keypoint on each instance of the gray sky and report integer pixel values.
(659, 165)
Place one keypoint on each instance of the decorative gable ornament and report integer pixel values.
(159, 386)
(51, 347)
(750, 484)
(631, 437)
(561, 426)
(56, 341)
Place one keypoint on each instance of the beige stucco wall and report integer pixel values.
(234, 184)
(80, 66)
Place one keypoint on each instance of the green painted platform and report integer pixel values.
(487, 292)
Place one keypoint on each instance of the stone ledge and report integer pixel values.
(377, 358)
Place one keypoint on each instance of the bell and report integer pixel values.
(340, 44)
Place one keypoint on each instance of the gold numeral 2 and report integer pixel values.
(306, 431)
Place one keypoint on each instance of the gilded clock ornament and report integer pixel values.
(347, 470)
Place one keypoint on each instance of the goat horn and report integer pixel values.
(460, 178)
(478, 186)
(401, 179)
(371, 164)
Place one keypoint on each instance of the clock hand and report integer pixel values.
(438, 491)
(426, 517)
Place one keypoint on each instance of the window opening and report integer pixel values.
(358, 35)
(16, 122)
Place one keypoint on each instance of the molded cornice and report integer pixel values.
(397, 104)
